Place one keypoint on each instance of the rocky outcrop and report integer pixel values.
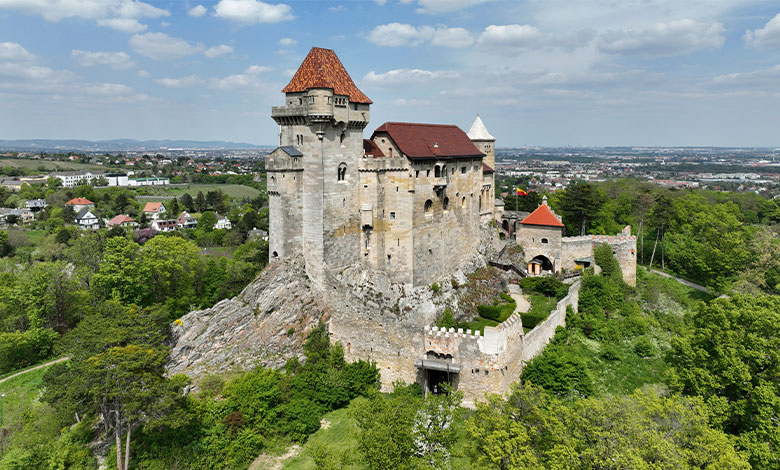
(267, 323)
(264, 325)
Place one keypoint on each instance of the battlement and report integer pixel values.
(383, 164)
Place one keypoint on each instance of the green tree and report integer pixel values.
(187, 202)
(171, 264)
(579, 204)
(200, 202)
(207, 221)
(610, 267)
(731, 358)
(120, 275)
(5, 248)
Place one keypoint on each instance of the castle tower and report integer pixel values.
(486, 144)
(321, 143)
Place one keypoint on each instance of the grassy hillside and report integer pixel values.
(49, 166)
(238, 191)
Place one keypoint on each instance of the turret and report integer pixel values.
(484, 142)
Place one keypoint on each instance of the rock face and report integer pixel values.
(267, 323)
(264, 325)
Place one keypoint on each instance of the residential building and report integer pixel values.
(79, 203)
(154, 210)
(87, 220)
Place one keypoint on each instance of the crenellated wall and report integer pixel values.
(491, 362)
(624, 249)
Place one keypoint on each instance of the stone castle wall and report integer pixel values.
(624, 248)
(530, 237)
(492, 362)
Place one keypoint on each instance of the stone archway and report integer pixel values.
(539, 264)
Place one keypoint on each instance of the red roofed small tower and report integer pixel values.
(541, 236)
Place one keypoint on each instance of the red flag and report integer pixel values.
(520, 192)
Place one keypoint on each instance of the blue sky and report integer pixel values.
(539, 72)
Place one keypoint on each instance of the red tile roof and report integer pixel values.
(152, 206)
(486, 168)
(418, 141)
(120, 219)
(542, 216)
(370, 148)
(323, 69)
(79, 201)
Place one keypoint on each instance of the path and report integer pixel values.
(274, 462)
(690, 284)
(523, 305)
(40, 366)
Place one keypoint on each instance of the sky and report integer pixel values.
(539, 72)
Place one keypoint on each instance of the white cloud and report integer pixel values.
(182, 82)
(144, 74)
(407, 76)
(676, 37)
(14, 52)
(160, 46)
(126, 25)
(116, 60)
(197, 11)
(768, 36)
(249, 79)
(515, 35)
(287, 42)
(444, 6)
(121, 15)
(399, 34)
(217, 51)
(107, 89)
(380, 2)
(337, 8)
(252, 11)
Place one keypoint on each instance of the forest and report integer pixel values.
(653, 376)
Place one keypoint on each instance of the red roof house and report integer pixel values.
(79, 201)
(543, 215)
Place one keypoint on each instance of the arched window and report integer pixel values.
(463, 202)
(342, 172)
(428, 206)
(437, 171)
(273, 181)
(342, 137)
(544, 241)
(446, 203)
(275, 254)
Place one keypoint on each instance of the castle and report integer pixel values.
(411, 203)
(407, 202)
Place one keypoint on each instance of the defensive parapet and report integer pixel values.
(491, 362)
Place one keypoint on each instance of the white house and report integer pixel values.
(154, 209)
(222, 222)
(87, 220)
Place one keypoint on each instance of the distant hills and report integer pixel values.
(120, 145)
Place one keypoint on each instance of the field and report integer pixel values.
(49, 166)
(20, 394)
(236, 191)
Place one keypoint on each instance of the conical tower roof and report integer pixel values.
(323, 69)
(478, 131)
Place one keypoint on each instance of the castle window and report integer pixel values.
(273, 180)
(427, 173)
(544, 240)
(437, 171)
(428, 206)
(446, 203)
(463, 202)
(342, 172)
(341, 138)
(392, 215)
(463, 170)
(417, 174)
(275, 254)
(390, 152)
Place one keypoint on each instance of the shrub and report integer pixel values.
(447, 320)
(644, 347)
(19, 349)
(610, 353)
(610, 267)
(545, 285)
(491, 312)
(560, 372)
(435, 288)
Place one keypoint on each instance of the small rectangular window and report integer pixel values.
(392, 215)
(463, 170)
(417, 174)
